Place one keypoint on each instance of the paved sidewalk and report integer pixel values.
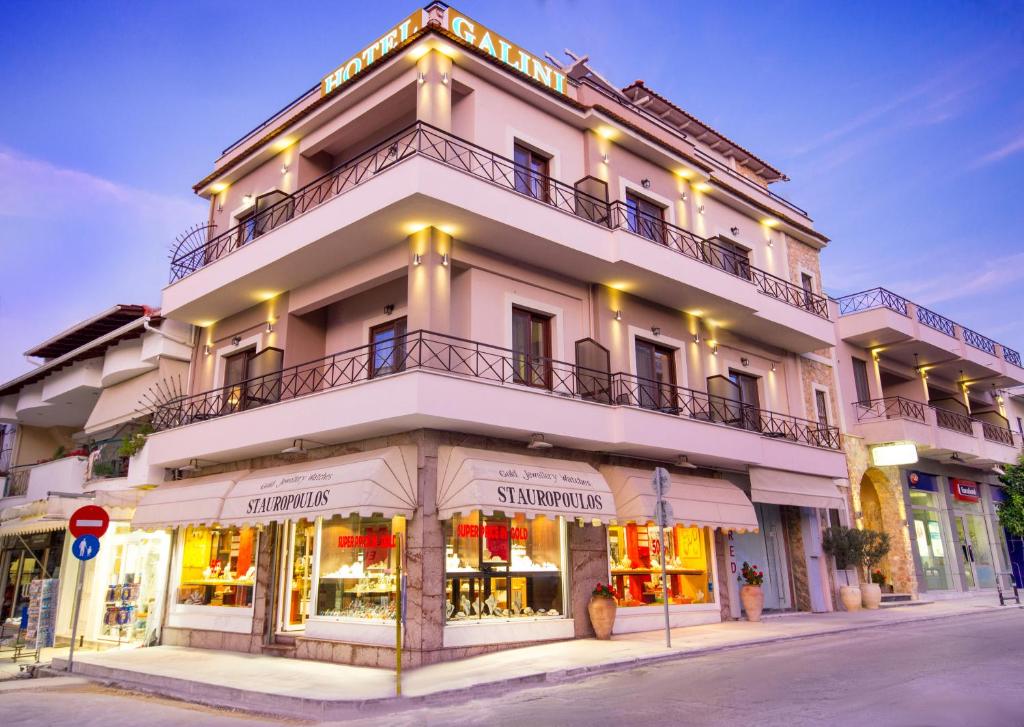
(318, 690)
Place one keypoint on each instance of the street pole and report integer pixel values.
(398, 617)
(664, 572)
(74, 616)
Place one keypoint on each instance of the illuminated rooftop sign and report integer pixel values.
(374, 52)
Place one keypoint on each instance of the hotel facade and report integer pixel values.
(449, 310)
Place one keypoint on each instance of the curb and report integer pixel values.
(276, 705)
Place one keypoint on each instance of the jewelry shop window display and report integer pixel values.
(218, 567)
(501, 567)
(634, 552)
(358, 562)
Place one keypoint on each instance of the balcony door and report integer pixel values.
(656, 369)
(531, 173)
(746, 386)
(387, 347)
(645, 217)
(236, 373)
(531, 348)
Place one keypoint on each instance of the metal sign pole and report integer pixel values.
(74, 616)
(398, 618)
(662, 512)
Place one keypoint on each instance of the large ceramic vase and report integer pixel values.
(871, 593)
(602, 616)
(850, 596)
(752, 598)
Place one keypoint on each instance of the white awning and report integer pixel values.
(778, 487)
(479, 479)
(40, 516)
(196, 501)
(381, 482)
(695, 500)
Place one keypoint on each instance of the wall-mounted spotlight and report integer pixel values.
(696, 338)
(771, 242)
(646, 182)
(734, 230)
(236, 340)
(389, 309)
(773, 366)
(682, 196)
(284, 169)
(700, 209)
(745, 361)
(270, 326)
(206, 350)
(714, 349)
(444, 259)
(417, 258)
(618, 315)
(655, 330)
(422, 78)
(604, 158)
(444, 78)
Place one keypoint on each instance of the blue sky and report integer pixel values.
(900, 124)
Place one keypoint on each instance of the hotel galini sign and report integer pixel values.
(489, 42)
(373, 53)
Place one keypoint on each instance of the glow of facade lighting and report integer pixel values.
(419, 51)
(411, 228)
(702, 187)
(447, 50)
(266, 295)
(448, 229)
(618, 286)
(770, 222)
(283, 143)
(218, 187)
(606, 132)
(684, 173)
(892, 454)
(618, 315)
(417, 259)
(876, 353)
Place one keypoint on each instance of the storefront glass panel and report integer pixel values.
(930, 548)
(218, 567)
(634, 552)
(298, 574)
(132, 582)
(501, 567)
(358, 567)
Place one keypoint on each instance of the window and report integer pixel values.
(807, 283)
(1020, 426)
(656, 369)
(749, 399)
(729, 256)
(860, 379)
(531, 173)
(821, 406)
(531, 348)
(218, 567)
(387, 347)
(499, 567)
(634, 552)
(358, 567)
(236, 373)
(247, 226)
(645, 217)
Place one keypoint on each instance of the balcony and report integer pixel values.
(589, 247)
(424, 380)
(938, 432)
(914, 336)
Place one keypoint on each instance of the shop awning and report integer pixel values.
(695, 500)
(479, 479)
(40, 516)
(368, 483)
(778, 487)
(195, 501)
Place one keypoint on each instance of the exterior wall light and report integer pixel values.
(444, 259)
(655, 330)
(646, 183)
(773, 367)
(714, 349)
(745, 361)
(444, 78)
(770, 242)
(236, 340)
(284, 169)
(618, 315)
(734, 230)
(270, 326)
(389, 309)
(682, 196)
(696, 338)
(206, 350)
(700, 209)
(604, 158)
(417, 258)
(422, 78)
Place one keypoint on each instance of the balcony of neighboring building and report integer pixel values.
(421, 175)
(915, 336)
(427, 380)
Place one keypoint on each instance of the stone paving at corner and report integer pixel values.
(266, 683)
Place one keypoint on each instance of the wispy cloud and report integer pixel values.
(74, 243)
(1014, 146)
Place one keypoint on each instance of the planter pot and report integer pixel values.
(752, 598)
(850, 596)
(602, 616)
(871, 593)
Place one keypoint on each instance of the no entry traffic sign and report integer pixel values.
(89, 520)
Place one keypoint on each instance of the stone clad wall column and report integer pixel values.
(424, 635)
(588, 564)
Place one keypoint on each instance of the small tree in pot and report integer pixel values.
(873, 547)
(751, 595)
(845, 545)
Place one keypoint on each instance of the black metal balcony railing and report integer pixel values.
(1011, 356)
(425, 140)
(17, 482)
(933, 320)
(978, 341)
(897, 407)
(874, 298)
(890, 407)
(423, 350)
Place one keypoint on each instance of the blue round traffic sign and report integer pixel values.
(85, 547)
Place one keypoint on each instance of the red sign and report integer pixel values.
(965, 490)
(371, 540)
(89, 520)
(492, 532)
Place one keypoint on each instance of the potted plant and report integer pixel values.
(751, 595)
(602, 609)
(844, 544)
(874, 546)
(877, 576)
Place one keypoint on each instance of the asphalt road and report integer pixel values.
(961, 671)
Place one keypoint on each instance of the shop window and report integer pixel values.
(500, 567)
(134, 584)
(358, 567)
(634, 552)
(218, 567)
